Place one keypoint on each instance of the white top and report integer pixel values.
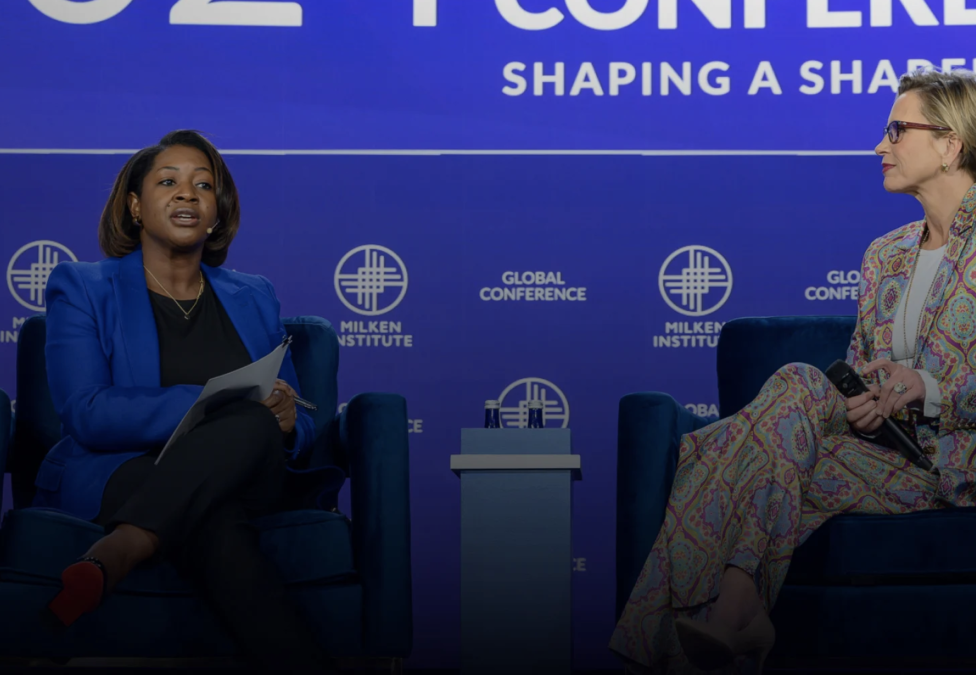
(906, 321)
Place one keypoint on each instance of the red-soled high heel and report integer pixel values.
(84, 585)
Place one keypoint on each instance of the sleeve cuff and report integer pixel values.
(933, 396)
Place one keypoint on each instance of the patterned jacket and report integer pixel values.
(946, 344)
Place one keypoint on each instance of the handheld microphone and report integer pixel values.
(850, 384)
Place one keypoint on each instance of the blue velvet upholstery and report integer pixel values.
(351, 579)
(5, 435)
(750, 350)
(862, 586)
(37, 428)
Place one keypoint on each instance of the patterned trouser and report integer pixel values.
(747, 491)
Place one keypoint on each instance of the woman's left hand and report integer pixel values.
(890, 401)
(282, 404)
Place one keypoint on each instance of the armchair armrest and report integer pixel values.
(5, 434)
(649, 430)
(373, 432)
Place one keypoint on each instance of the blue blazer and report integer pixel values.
(102, 356)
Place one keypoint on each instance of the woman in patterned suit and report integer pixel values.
(750, 488)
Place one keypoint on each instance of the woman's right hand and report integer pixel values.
(282, 404)
(862, 411)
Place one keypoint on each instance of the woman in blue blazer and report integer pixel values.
(130, 342)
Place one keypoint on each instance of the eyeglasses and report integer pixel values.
(895, 129)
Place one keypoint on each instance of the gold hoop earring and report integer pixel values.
(945, 168)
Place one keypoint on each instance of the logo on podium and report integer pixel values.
(29, 269)
(515, 403)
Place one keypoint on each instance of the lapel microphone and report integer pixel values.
(850, 384)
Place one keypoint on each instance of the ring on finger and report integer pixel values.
(900, 388)
(277, 418)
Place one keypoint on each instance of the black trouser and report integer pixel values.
(199, 501)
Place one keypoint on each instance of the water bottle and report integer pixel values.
(492, 414)
(535, 415)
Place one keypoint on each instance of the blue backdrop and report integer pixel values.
(622, 74)
(460, 277)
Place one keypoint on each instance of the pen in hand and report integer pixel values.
(308, 405)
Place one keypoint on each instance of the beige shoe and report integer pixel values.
(709, 646)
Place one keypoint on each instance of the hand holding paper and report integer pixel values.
(253, 382)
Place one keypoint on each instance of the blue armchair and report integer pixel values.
(5, 433)
(352, 580)
(884, 591)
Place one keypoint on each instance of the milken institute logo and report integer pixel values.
(694, 281)
(691, 283)
(365, 274)
(29, 269)
(371, 280)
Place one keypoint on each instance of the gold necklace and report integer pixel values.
(186, 312)
(904, 318)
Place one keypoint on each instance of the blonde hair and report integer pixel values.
(948, 100)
